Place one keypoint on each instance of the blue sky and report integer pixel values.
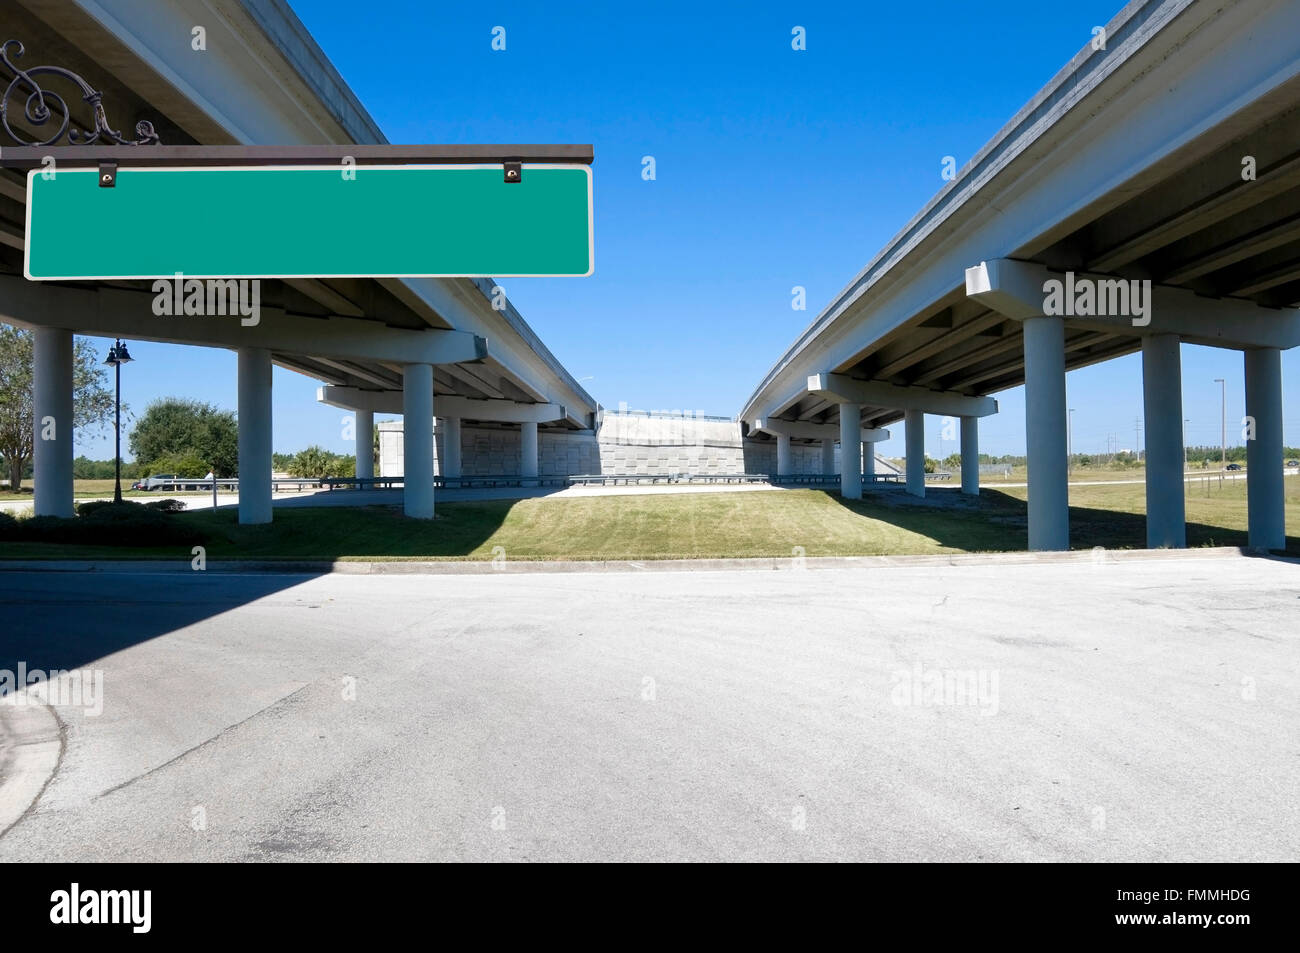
(774, 168)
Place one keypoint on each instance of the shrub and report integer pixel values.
(46, 529)
(133, 525)
(318, 462)
(187, 464)
(105, 523)
(8, 526)
(91, 507)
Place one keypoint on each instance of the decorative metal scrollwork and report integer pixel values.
(42, 106)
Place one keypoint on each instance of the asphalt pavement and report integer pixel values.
(1092, 710)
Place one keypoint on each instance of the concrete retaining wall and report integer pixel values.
(631, 444)
(622, 445)
(489, 451)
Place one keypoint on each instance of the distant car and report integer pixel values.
(138, 485)
(1293, 463)
(159, 481)
(1233, 466)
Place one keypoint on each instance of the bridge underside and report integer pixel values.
(1169, 157)
(1198, 226)
(261, 80)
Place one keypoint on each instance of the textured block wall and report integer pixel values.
(623, 446)
(492, 452)
(486, 451)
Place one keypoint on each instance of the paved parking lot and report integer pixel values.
(1076, 710)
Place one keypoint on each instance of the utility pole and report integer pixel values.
(1137, 438)
(1186, 421)
(1223, 411)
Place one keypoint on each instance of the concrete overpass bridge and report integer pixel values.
(442, 346)
(1171, 156)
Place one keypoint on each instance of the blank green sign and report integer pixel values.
(310, 222)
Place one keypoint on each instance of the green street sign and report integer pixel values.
(324, 221)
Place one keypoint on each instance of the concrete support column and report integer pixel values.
(417, 441)
(1162, 405)
(450, 446)
(784, 456)
(914, 424)
(1265, 493)
(365, 430)
(528, 450)
(850, 451)
(254, 369)
(970, 456)
(52, 408)
(1049, 500)
(828, 456)
(868, 463)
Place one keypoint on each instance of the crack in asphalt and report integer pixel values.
(203, 744)
(58, 763)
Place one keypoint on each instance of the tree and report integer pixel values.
(318, 462)
(186, 463)
(84, 468)
(92, 399)
(174, 427)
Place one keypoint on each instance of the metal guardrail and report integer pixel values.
(495, 481)
(298, 483)
(476, 482)
(232, 484)
(361, 483)
(593, 479)
(441, 482)
(192, 483)
(634, 479)
(831, 479)
(806, 479)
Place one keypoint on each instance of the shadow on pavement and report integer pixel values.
(998, 521)
(57, 621)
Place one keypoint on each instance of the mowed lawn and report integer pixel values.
(778, 523)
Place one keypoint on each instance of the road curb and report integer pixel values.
(1098, 556)
(31, 744)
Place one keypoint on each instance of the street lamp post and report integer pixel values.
(117, 356)
(1223, 432)
(1186, 421)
